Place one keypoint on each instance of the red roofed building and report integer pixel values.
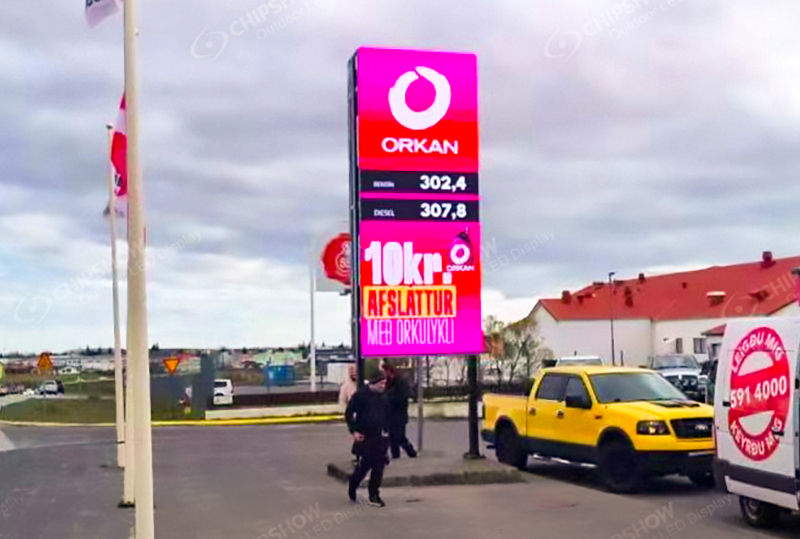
(665, 313)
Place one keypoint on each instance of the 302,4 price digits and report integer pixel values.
(442, 210)
(433, 182)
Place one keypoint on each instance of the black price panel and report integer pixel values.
(419, 210)
(434, 183)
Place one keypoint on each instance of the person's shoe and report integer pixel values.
(376, 501)
(412, 453)
(351, 492)
(397, 456)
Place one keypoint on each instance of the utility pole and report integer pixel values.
(611, 308)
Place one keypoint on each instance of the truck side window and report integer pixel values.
(576, 388)
(553, 387)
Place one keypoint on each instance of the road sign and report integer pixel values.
(171, 364)
(415, 219)
(45, 362)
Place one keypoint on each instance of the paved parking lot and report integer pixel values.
(270, 482)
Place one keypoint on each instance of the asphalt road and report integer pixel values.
(270, 482)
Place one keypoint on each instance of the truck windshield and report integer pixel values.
(633, 386)
(675, 362)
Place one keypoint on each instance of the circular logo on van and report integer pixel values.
(760, 393)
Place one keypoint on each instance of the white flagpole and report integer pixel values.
(312, 345)
(138, 357)
(118, 389)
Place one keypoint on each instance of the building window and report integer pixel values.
(679, 345)
(699, 346)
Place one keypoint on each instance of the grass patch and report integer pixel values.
(87, 411)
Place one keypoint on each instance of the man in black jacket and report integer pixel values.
(366, 418)
(398, 392)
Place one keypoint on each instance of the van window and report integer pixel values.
(220, 383)
(553, 387)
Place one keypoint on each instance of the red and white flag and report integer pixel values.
(99, 10)
(119, 151)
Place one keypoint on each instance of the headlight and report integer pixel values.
(652, 428)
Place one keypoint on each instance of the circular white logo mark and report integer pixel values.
(424, 118)
(459, 254)
(210, 46)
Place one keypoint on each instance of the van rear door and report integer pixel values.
(755, 409)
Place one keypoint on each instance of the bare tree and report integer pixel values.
(512, 346)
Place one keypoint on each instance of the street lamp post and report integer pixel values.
(611, 309)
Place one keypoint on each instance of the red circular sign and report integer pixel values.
(766, 390)
(336, 259)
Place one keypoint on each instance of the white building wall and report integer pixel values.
(667, 331)
(632, 338)
(793, 309)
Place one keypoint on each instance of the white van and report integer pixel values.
(756, 419)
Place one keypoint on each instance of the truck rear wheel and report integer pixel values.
(620, 467)
(508, 448)
(759, 514)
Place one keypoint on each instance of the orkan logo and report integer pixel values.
(461, 257)
(424, 119)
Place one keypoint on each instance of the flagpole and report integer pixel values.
(138, 357)
(312, 345)
(118, 388)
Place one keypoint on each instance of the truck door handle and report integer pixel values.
(726, 404)
(560, 414)
(532, 411)
(777, 432)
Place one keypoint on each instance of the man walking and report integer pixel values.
(366, 419)
(398, 392)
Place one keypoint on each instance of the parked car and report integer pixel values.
(708, 379)
(29, 392)
(223, 392)
(48, 388)
(4, 391)
(682, 371)
(631, 423)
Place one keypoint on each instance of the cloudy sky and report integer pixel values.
(628, 136)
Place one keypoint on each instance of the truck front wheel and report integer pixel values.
(620, 467)
(508, 448)
(759, 514)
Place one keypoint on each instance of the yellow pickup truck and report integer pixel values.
(631, 423)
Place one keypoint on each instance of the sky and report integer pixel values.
(629, 136)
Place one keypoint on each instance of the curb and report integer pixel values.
(193, 422)
(491, 475)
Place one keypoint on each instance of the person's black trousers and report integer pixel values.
(371, 459)
(397, 440)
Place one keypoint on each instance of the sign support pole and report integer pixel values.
(118, 386)
(472, 376)
(420, 399)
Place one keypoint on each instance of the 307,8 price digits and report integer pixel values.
(443, 210)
